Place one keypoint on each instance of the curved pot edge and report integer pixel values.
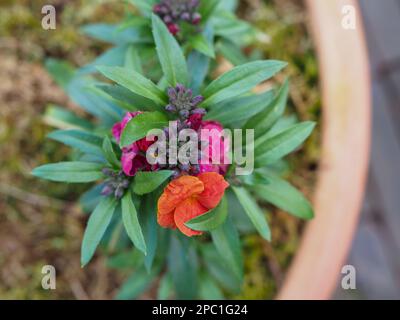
(343, 59)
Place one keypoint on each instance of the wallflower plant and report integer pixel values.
(189, 21)
(184, 219)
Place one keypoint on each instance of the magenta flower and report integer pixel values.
(133, 157)
(211, 132)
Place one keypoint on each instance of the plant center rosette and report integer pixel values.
(197, 187)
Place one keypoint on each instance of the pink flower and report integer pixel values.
(211, 132)
(133, 158)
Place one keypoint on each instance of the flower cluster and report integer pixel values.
(172, 12)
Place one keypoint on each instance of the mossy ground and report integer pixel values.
(40, 222)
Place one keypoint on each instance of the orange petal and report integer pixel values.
(166, 220)
(178, 191)
(214, 188)
(186, 211)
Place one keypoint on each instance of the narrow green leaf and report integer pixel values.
(216, 267)
(139, 126)
(201, 44)
(73, 172)
(148, 221)
(232, 52)
(253, 211)
(81, 140)
(135, 82)
(61, 71)
(272, 149)
(169, 53)
(109, 153)
(136, 284)
(64, 119)
(212, 219)
(127, 99)
(227, 243)
(166, 287)
(182, 270)
(284, 196)
(264, 120)
(240, 79)
(96, 227)
(208, 289)
(147, 182)
(207, 8)
(91, 198)
(132, 59)
(240, 109)
(145, 6)
(131, 222)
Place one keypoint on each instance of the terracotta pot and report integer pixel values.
(345, 81)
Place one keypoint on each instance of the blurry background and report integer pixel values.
(376, 247)
(41, 222)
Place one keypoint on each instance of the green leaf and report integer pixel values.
(91, 198)
(61, 71)
(135, 82)
(217, 269)
(227, 243)
(147, 182)
(127, 99)
(264, 120)
(253, 211)
(166, 287)
(208, 289)
(131, 222)
(81, 140)
(201, 44)
(240, 109)
(136, 284)
(232, 52)
(81, 91)
(284, 196)
(132, 59)
(207, 8)
(64, 119)
(272, 149)
(210, 220)
(144, 6)
(109, 153)
(240, 79)
(112, 33)
(138, 127)
(131, 259)
(169, 53)
(73, 172)
(148, 221)
(182, 269)
(256, 178)
(96, 227)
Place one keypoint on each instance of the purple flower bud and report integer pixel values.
(196, 18)
(107, 190)
(199, 111)
(184, 167)
(185, 16)
(170, 108)
(196, 100)
(119, 192)
(167, 19)
(184, 113)
(108, 172)
(180, 88)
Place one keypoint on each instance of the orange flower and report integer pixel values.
(188, 197)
